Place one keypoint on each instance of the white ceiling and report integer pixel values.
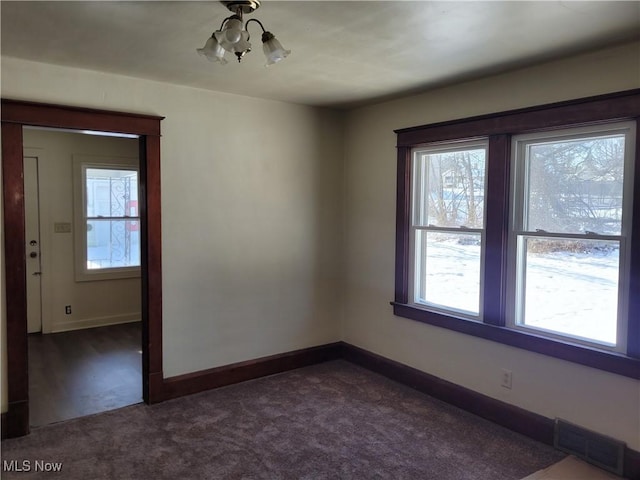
(344, 53)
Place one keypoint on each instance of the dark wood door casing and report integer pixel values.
(15, 115)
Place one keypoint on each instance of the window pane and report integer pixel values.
(571, 286)
(575, 186)
(113, 243)
(448, 270)
(450, 188)
(111, 193)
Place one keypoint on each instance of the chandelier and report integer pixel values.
(233, 36)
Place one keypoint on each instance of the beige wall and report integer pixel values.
(251, 206)
(95, 303)
(605, 402)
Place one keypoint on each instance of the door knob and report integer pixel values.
(33, 243)
(36, 273)
(33, 254)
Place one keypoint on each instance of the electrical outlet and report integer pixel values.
(67, 310)
(506, 378)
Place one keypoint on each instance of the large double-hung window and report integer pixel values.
(519, 227)
(571, 225)
(447, 226)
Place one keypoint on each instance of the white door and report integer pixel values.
(32, 237)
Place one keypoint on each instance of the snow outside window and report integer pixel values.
(447, 228)
(569, 238)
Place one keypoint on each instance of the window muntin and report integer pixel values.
(571, 216)
(448, 227)
(107, 221)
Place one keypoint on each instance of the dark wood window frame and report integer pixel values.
(499, 128)
(15, 115)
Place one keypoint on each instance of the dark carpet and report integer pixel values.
(328, 421)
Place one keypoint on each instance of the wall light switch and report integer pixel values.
(60, 227)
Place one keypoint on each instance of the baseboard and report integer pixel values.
(153, 390)
(530, 424)
(96, 322)
(187, 384)
(15, 421)
(527, 423)
(631, 463)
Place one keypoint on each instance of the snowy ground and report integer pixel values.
(566, 292)
(573, 293)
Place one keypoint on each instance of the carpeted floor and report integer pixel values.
(328, 421)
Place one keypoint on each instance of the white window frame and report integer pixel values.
(515, 304)
(80, 164)
(415, 226)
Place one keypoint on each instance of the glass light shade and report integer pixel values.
(241, 45)
(272, 49)
(233, 30)
(213, 51)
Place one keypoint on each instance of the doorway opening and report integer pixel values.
(15, 116)
(82, 230)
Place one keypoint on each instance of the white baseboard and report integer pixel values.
(96, 322)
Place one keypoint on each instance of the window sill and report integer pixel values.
(603, 360)
(108, 274)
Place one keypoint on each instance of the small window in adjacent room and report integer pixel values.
(447, 227)
(107, 221)
(570, 231)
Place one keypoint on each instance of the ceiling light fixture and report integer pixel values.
(233, 36)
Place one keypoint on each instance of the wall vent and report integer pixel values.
(604, 452)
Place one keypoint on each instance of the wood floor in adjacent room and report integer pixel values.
(78, 373)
